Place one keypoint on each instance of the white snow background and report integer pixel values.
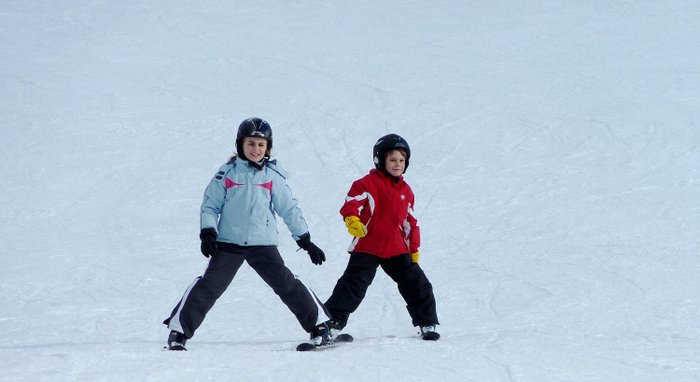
(555, 164)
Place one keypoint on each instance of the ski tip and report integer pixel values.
(344, 337)
(305, 346)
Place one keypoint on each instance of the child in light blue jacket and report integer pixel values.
(238, 223)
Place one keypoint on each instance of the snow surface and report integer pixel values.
(555, 165)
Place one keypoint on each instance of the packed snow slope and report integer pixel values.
(555, 165)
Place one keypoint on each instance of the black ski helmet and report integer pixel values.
(253, 127)
(387, 143)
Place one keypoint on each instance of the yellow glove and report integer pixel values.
(415, 256)
(355, 226)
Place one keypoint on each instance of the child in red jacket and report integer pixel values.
(378, 212)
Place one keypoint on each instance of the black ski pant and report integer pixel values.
(200, 297)
(413, 285)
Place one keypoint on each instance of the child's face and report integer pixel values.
(254, 148)
(395, 163)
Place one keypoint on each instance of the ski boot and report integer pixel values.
(321, 335)
(428, 333)
(334, 327)
(176, 341)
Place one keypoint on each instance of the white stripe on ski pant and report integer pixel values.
(175, 323)
(322, 316)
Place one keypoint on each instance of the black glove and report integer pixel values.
(315, 253)
(208, 236)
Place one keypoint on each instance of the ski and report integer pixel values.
(308, 346)
(341, 338)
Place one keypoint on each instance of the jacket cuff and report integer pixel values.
(208, 221)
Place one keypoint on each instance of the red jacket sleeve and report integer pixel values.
(357, 199)
(414, 233)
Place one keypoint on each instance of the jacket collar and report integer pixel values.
(256, 165)
(384, 175)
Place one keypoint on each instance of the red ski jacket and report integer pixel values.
(385, 207)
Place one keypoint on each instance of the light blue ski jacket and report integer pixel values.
(241, 202)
